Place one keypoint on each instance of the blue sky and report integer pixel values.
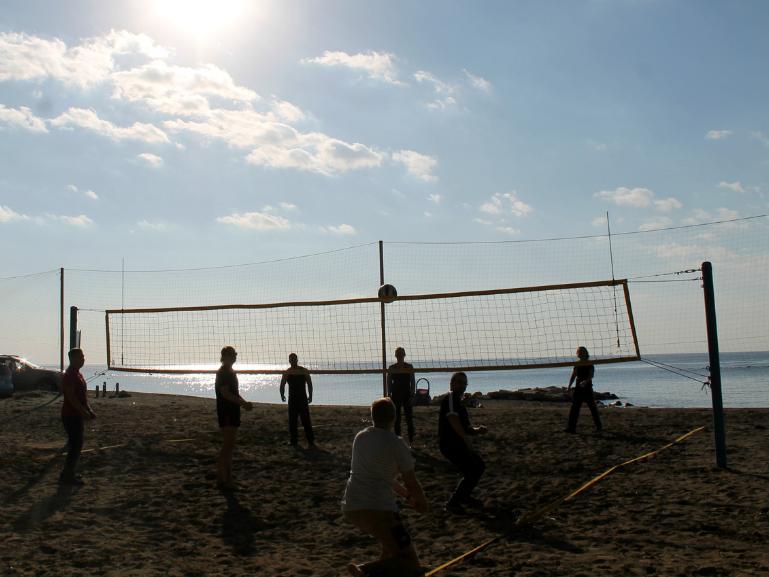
(206, 132)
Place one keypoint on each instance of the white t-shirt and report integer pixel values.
(378, 457)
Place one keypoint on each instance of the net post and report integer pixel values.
(715, 364)
(630, 318)
(106, 327)
(61, 318)
(382, 317)
(73, 344)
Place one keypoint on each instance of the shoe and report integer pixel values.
(473, 502)
(353, 569)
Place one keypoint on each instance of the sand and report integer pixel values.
(150, 505)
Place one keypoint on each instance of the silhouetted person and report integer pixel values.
(299, 399)
(75, 410)
(583, 391)
(454, 428)
(379, 457)
(228, 404)
(401, 388)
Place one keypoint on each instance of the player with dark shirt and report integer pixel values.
(583, 391)
(454, 428)
(228, 404)
(400, 388)
(299, 399)
(75, 410)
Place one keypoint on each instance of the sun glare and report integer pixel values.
(201, 18)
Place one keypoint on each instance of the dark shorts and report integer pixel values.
(229, 417)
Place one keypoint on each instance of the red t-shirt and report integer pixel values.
(75, 381)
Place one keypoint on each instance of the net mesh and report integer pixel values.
(497, 329)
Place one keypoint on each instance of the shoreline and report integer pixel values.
(150, 505)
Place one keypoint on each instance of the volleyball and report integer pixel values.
(388, 293)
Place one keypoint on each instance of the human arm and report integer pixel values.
(227, 395)
(389, 383)
(415, 496)
(412, 382)
(571, 379)
(283, 387)
(309, 387)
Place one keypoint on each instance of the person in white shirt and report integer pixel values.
(379, 457)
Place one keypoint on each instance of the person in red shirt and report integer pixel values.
(75, 410)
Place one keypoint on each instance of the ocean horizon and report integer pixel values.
(744, 376)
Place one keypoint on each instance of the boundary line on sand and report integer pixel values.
(540, 513)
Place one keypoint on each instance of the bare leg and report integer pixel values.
(224, 463)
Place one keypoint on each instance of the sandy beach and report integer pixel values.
(150, 505)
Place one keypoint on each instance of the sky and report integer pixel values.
(205, 132)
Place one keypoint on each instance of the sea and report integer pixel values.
(676, 380)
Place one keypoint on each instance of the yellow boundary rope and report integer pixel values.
(542, 511)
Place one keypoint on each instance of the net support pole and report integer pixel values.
(73, 344)
(61, 319)
(715, 364)
(382, 316)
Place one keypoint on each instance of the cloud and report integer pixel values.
(761, 137)
(599, 221)
(178, 90)
(27, 57)
(508, 230)
(733, 186)
(377, 65)
(89, 120)
(256, 221)
(478, 82)
(623, 196)
(506, 203)
(417, 165)
(667, 204)
(435, 198)
(89, 193)
(149, 225)
(288, 206)
(284, 110)
(22, 118)
(7, 214)
(150, 159)
(718, 134)
(341, 230)
(79, 221)
(327, 156)
(660, 222)
(699, 216)
(445, 93)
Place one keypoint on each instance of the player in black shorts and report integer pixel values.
(228, 404)
(299, 399)
(583, 391)
(454, 428)
(400, 388)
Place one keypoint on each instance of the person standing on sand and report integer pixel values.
(583, 391)
(401, 388)
(454, 428)
(299, 399)
(75, 410)
(378, 458)
(228, 404)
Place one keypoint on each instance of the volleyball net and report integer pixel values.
(500, 329)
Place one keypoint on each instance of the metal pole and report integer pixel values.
(715, 364)
(73, 344)
(382, 316)
(61, 319)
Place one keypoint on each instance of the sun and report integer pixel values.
(203, 19)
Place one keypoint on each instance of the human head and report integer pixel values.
(458, 383)
(383, 413)
(400, 353)
(293, 360)
(76, 358)
(229, 355)
(582, 353)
